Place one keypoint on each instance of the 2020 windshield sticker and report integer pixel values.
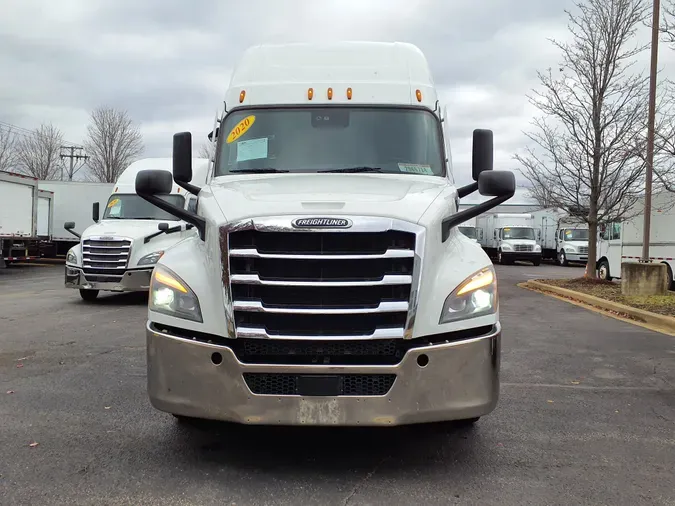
(113, 203)
(240, 129)
(253, 149)
(415, 168)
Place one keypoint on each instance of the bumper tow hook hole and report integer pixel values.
(216, 358)
(423, 360)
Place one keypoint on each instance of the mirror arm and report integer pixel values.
(178, 212)
(467, 190)
(73, 232)
(194, 190)
(467, 214)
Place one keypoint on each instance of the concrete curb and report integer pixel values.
(654, 319)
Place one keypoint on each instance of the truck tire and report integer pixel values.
(671, 281)
(89, 295)
(536, 262)
(562, 258)
(603, 270)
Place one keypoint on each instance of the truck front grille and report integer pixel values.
(320, 284)
(523, 247)
(583, 250)
(105, 260)
(341, 384)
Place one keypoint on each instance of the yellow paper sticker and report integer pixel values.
(113, 203)
(241, 128)
(507, 229)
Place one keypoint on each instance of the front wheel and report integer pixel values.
(536, 262)
(603, 270)
(562, 258)
(89, 295)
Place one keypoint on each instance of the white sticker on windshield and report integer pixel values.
(414, 168)
(252, 149)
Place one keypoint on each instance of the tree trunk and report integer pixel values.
(591, 271)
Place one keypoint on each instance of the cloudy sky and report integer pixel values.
(168, 62)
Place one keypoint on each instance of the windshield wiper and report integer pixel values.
(355, 169)
(257, 171)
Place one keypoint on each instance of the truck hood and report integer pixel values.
(133, 229)
(405, 197)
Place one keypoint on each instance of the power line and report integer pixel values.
(25, 132)
(72, 157)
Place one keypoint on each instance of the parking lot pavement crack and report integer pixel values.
(361, 483)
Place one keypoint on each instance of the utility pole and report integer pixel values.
(72, 157)
(650, 129)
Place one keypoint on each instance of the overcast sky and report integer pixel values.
(168, 62)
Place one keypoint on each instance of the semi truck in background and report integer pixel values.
(119, 251)
(564, 238)
(71, 201)
(328, 283)
(622, 241)
(20, 203)
(509, 237)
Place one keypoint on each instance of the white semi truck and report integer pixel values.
(328, 283)
(20, 203)
(509, 237)
(119, 251)
(622, 241)
(71, 201)
(564, 238)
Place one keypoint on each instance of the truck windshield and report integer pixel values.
(576, 234)
(132, 207)
(518, 233)
(470, 232)
(331, 139)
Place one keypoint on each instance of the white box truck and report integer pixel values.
(328, 283)
(118, 252)
(19, 199)
(563, 237)
(622, 241)
(509, 237)
(469, 229)
(72, 201)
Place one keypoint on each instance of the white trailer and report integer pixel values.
(18, 218)
(509, 237)
(73, 201)
(622, 241)
(45, 214)
(563, 237)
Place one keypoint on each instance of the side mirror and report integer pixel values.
(500, 184)
(481, 160)
(151, 183)
(69, 226)
(95, 212)
(482, 155)
(182, 161)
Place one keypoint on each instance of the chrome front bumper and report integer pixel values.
(576, 257)
(460, 380)
(131, 281)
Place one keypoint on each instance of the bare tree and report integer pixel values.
(113, 143)
(664, 142)
(38, 154)
(587, 156)
(668, 20)
(8, 151)
(206, 150)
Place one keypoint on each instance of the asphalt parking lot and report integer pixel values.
(586, 416)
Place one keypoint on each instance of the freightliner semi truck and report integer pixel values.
(328, 283)
(118, 252)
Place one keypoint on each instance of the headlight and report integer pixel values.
(172, 296)
(537, 247)
(570, 249)
(151, 259)
(71, 257)
(475, 296)
(506, 247)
